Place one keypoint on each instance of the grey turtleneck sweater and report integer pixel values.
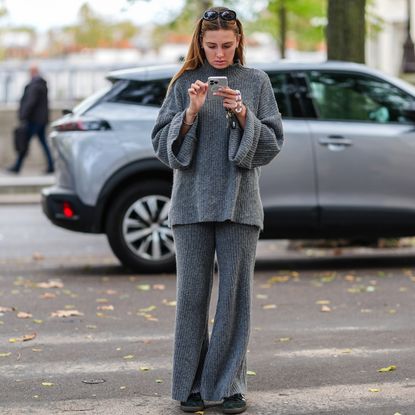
(217, 167)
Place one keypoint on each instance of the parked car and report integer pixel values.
(346, 168)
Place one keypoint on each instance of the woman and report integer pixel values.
(215, 148)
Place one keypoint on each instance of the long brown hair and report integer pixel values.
(196, 55)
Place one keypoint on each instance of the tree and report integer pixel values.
(93, 31)
(301, 20)
(346, 30)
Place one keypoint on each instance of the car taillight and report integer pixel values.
(68, 210)
(82, 125)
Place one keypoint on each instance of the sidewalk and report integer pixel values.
(24, 187)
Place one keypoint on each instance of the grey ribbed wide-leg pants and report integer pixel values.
(215, 367)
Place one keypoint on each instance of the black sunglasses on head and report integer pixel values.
(225, 15)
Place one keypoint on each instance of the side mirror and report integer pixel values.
(409, 111)
(66, 111)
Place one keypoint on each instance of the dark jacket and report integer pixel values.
(34, 102)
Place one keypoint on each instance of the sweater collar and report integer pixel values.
(225, 71)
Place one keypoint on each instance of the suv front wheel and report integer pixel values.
(137, 229)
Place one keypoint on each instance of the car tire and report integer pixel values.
(137, 230)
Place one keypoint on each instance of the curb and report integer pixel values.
(20, 199)
(23, 189)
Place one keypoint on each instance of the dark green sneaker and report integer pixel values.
(194, 403)
(234, 404)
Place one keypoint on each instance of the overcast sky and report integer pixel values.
(44, 14)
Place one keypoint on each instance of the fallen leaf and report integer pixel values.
(150, 308)
(37, 350)
(284, 339)
(66, 313)
(387, 369)
(170, 303)
(6, 309)
(123, 387)
(328, 277)
(346, 351)
(129, 356)
(47, 295)
(47, 384)
(5, 354)
(250, 373)
(93, 381)
(36, 321)
(325, 309)
(23, 314)
(28, 337)
(143, 287)
(269, 306)
(159, 380)
(108, 307)
(144, 368)
(159, 286)
(102, 300)
(262, 296)
(323, 302)
(50, 284)
(151, 318)
(278, 278)
(374, 390)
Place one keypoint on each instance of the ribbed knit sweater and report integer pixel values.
(216, 168)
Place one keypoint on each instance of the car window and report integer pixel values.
(348, 96)
(291, 93)
(87, 103)
(142, 92)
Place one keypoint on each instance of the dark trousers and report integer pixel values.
(40, 131)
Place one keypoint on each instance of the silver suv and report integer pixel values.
(346, 169)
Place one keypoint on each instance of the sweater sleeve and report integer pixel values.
(262, 138)
(170, 148)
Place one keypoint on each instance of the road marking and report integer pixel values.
(349, 352)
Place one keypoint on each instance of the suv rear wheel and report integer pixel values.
(137, 229)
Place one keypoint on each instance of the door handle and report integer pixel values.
(335, 140)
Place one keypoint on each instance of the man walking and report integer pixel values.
(34, 114)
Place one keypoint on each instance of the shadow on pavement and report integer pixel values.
(262, 264)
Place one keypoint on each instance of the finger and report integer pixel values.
(201, 85)
(228, 91)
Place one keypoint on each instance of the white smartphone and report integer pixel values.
(214, 83)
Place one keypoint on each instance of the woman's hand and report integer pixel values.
(197, 94)
(232, 101)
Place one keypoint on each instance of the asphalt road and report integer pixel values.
(322, 327)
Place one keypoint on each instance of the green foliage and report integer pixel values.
(93, 31)
(304, 21)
